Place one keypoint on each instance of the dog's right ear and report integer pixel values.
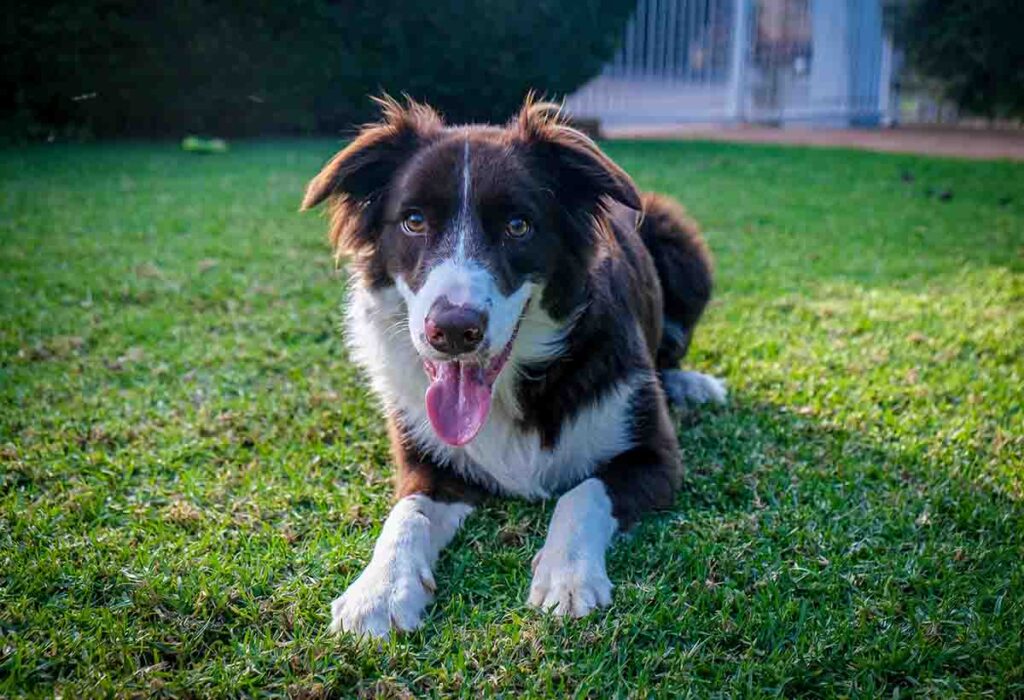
(362, 170)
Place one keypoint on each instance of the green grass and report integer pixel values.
(190, 469)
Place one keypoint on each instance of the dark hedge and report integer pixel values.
(973, 49)
(121, 68)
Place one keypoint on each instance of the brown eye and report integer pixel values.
(414, 223)
(517, 227)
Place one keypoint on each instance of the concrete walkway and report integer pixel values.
(978, 144)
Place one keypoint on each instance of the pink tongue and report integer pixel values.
(458, 400)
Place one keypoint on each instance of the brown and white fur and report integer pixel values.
(520, 310)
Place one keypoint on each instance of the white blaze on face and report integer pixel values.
(464, 220)
(463, 281)
(459, 396)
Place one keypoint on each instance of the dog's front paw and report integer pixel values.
(386, 596)
(569, 586)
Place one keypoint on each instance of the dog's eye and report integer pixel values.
(517, 227)
(414, 223)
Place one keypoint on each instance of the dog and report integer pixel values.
(520, 310)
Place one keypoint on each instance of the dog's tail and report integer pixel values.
(685, 271)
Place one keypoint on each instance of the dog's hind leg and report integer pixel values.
(682, 386)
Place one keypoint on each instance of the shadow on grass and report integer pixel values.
(801, 557)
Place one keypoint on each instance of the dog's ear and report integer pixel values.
(584, 173)
(363, 169)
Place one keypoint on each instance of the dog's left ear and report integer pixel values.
(584, 173)
(364, 168)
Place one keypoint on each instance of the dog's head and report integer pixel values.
(471, 224)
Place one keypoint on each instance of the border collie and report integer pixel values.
(521, 311)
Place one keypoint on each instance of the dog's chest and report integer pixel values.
(505, 456)
(515, 461)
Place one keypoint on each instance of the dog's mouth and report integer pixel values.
(459, 396)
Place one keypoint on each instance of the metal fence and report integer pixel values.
(822, 61)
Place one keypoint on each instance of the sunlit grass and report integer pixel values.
(190, 469)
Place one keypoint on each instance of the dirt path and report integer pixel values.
(961, 143)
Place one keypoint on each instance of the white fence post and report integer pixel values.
(738, 61)
(885, 92)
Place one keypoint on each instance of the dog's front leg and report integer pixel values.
(569, 575)
(396, 586)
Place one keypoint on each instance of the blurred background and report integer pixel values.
(113, 68)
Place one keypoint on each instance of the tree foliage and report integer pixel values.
(973, 49)
(118, 67)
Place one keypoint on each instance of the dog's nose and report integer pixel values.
(455, 330)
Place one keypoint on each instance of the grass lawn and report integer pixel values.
(190, 469)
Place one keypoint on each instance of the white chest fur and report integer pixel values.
(502, 456)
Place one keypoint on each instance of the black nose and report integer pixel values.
(455, 330)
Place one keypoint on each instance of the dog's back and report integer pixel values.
(671, 284)
(684, 270)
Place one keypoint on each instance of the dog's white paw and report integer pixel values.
(682, 386)
(386, 596)
(569, 586)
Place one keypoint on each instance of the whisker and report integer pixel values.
(396, 329)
